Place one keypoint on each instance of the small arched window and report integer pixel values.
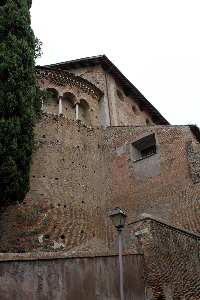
(51, 104)
(68, 105)
(83, 111)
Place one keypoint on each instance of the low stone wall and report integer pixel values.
(88, 278)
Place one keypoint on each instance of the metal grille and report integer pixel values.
(148, 151)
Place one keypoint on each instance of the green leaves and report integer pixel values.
(17, 97)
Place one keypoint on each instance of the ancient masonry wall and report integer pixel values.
(81, 173)
(162, 184)
(115, 108)
(66, 206)
(172, 260)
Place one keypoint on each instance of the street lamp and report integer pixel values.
(118, 218)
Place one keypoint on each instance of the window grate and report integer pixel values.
(148, 151)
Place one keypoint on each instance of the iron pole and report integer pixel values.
(120, 264)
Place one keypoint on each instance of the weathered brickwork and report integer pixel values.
(194, 161)
(172, 260)
(80, 173)
(160, 184)
(124, 110)
(66, 200)
(63, 78)
(67, 91)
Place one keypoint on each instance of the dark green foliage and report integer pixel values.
(17, 96)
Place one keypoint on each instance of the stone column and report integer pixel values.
(77, 103)
(60, 104)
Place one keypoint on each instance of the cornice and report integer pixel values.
(62, 78)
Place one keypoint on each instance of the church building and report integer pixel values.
(101, 144)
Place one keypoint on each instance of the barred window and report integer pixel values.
(143, 147)
(148, 151)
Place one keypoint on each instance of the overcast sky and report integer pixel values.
(154, 43)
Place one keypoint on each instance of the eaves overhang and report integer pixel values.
(128, 87)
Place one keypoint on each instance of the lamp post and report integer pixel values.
(118, 218)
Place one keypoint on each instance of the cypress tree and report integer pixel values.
(17, 93)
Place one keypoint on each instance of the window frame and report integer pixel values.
(143, 147)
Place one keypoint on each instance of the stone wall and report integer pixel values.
(171, 260)
(71, 279)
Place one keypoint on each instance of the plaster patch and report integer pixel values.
(57, 245)
(120, 150)
(141, 231)
(40, 239)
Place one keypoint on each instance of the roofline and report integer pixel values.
(129, 88)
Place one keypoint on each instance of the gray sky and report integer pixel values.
(154, 43)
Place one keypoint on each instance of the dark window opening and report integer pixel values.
(148, 151)
(160, 298)
(120, 95)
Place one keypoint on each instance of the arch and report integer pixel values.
(83, 111)
(148, 122)
(68, 105)
(54, 92)
(51, 104)
(120, 95)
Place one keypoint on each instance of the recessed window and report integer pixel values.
(135, 110)
(120, 95)
(148, 122)
(143, 147)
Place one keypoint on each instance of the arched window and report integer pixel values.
(68, 105)
(51, 104)
(148, 122)
(135, 110)
(83, 112)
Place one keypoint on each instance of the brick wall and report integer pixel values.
(81, 173)
(67, 199)
(172, 260)
(161, 184)
(107, 104)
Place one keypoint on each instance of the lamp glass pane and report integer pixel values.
(122, 220)
(116, 219)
